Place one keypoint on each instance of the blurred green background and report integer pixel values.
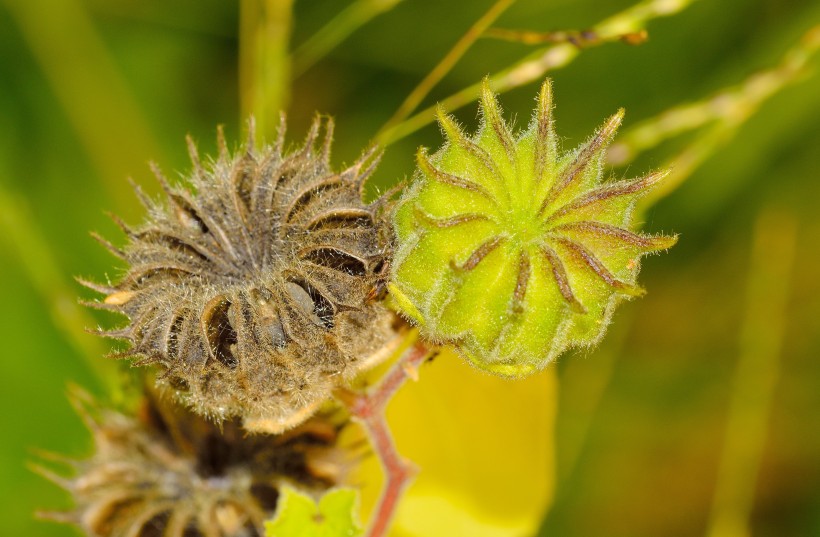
(90, 90)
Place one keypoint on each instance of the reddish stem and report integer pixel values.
(369, 409)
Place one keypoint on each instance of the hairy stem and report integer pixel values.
(369, 409)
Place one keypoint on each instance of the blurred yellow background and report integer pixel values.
(700, 412)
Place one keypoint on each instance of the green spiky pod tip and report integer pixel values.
(511, 251)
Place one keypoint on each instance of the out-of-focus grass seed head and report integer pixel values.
(513, 251)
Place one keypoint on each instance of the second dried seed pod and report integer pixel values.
(167, 472)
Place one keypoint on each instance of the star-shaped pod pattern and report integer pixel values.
(513, 251)
(253, 289)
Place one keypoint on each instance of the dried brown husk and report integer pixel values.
(168, 472)
(253, 288)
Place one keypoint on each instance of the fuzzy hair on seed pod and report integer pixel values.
(171, 473)
(252, 287)
(513, 251)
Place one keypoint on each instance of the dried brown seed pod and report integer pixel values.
(171, 473)
(253, 290)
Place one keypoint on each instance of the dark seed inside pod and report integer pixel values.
(303, 301)
(253, 286)
(336, 260)
(173, 336)
(270, 329)
(155, 525)
(267, 495)
(220, 334)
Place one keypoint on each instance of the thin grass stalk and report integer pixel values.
(534, 66)
(264, 62)
(583, 386)
(336, 31)
(726, 111)
(24, 240)
(757, 372)
(579, 39)
(88, 85)
(447, 63)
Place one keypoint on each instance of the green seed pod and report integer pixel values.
(512, 251)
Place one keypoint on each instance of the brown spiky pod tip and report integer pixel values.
(252, 286)
(167, 472)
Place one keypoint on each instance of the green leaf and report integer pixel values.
(298, 515)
